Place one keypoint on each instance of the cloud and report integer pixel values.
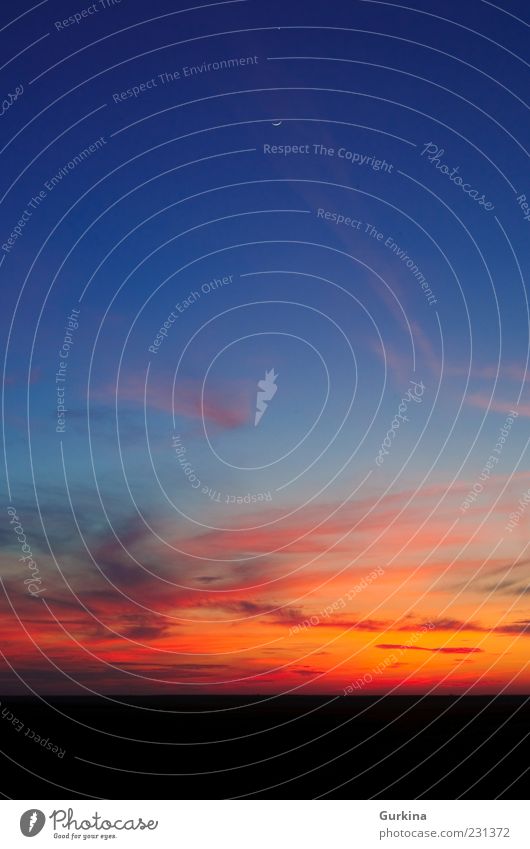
(308, 671)
(321, 525)
(376, 625)
(442, 650)
(521, 626)
(144, 627)
(484, 402)
(446, 624)
(227, 407)
(252, 609)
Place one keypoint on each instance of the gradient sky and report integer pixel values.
(286, 559)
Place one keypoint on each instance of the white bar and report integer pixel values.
(271, 824)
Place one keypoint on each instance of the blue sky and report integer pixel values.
(190, 183)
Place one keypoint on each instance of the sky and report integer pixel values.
(314, 211)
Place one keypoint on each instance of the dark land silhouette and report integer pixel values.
(213, 747)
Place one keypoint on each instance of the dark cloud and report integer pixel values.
(518, 627)
(376, 625)
(442, 650)
(521, 627)
(307, 671)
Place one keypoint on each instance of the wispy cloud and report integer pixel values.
(441, 650)
(227, 407)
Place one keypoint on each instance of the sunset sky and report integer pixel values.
(179, 547)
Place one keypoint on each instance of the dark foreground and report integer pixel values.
(284, 747)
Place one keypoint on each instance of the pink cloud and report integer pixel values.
(483, 402)
(228, 407)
